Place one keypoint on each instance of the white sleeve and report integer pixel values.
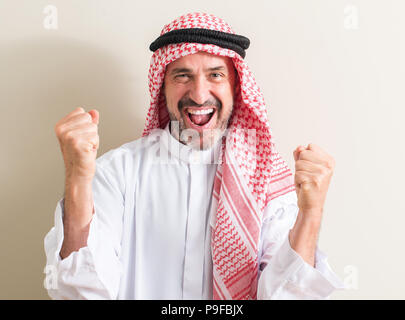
(94, 271)
(283, 274)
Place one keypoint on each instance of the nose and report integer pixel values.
(200, 90)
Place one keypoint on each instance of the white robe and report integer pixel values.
(150, 234)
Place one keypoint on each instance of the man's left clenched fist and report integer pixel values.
(313, 172)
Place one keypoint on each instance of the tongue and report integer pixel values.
(200, 119)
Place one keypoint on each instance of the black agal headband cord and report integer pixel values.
(226, 40)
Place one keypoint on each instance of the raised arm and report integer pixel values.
(78, 138)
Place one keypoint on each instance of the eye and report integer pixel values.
(181, 76)
(217, 76)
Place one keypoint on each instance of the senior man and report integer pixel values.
(202, 206)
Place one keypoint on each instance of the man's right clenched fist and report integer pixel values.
(78, 138)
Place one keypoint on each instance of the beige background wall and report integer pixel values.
(331, 73)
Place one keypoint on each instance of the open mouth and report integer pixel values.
(200, 117)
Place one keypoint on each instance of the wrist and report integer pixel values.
(75, 175)
(78, 205)
(307, 226)
(77, 181)
(312, 216)
(303, 236)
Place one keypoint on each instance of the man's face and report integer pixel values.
(199, 91)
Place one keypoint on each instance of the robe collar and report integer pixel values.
(186, 153)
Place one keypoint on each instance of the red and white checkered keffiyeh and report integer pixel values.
(249, 176)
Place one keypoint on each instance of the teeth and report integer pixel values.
(206, 111)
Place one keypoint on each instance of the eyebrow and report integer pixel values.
(187, 70)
